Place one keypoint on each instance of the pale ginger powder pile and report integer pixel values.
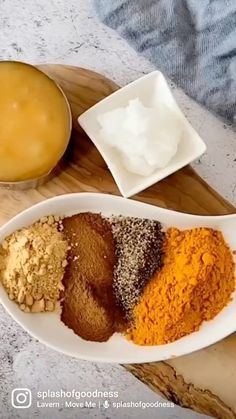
(32, 265)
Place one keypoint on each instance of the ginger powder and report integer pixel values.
(32, 265)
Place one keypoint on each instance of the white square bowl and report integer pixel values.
(150, 89)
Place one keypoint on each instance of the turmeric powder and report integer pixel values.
(194, 285)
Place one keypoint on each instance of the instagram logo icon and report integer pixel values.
(21, 398)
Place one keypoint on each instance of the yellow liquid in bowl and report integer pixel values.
(34, 122)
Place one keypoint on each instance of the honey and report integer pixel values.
(35, 122)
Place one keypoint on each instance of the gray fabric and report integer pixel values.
(192, 41)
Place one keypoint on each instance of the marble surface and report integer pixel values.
(68, 32)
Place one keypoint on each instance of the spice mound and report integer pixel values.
(194, 285)
(32, 265)
(139, 249)
(89, 307)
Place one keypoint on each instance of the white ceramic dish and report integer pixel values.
(47, 327)
(149, 89)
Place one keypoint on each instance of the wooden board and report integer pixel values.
(206, 380)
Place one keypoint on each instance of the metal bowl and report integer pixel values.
(34, 183)
(22, 185)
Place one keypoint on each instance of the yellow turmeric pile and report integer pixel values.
(195, 283)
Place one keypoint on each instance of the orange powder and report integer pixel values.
(194, 285)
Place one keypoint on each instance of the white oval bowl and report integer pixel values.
(48, 328)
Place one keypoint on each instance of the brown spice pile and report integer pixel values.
(195, 284)
(89, 307)
(139, 243)
(32, 265)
